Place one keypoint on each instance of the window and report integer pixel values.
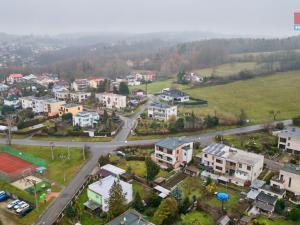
(249, 168)
(290, 182)
(282, 140)
(240, 165)
(205, 155)
(288, 144)
(219, 161)
(219, 168)
(289, 138)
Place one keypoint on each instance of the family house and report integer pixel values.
(162, 112)
(86, 119)
(172, 95)
(289, 179)
(95, 81)
(98, 192)
(12, 101)
(173, 152)
(14, 77)
(289, 140)
(110, 100)
(80, 84)
(72, 108)
(238, 165)
(79, 96)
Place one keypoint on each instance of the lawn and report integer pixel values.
(142, 190)
(197, 218)
(156, 86)
(56, 166)
(277, 221)
(256, 96)
(74, 139)
(138, 168)
(192, 186)
(227, 69)
(233, 198)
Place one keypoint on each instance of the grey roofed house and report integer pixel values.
(174, 93)
(130, 217)
(224, 220)
(257, 184)
(172, 143)
(266, 198)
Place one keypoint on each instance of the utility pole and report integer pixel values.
(69, 152)
(52, 153)
(83, 152)
(9, 123)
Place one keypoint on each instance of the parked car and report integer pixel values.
(25, 211)
(3, 196)
(22, 207)
(13, 203)
(18, 205)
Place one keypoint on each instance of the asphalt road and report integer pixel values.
(98, 148)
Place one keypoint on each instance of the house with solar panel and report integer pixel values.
(234, 165)
(173, 152)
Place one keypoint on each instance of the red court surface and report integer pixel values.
(11, 164)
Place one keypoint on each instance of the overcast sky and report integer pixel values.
(253, 17)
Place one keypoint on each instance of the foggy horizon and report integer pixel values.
(233, 17)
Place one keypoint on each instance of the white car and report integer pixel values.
(19, 204)
(22, 207)
(2, 192)
(13, 203)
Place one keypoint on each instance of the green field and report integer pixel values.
(277, 221)
(156, 86)
(227, 69)
(256, 96)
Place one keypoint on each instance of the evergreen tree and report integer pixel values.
(138, 203)
(123, 89)
(152, 169)
(166, 212)
(117, 200)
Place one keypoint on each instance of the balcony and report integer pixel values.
(277, 179)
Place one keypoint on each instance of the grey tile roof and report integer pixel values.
(130, 217)
(271, 200)
(292, 131)
(160, 105)
(172, 143)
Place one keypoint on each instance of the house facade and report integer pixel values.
(70, 108)
(79, 96)
(172, 95)
(173, 152)
(52, 106)
(95, 81)
(162, 112)
(86, 119)
(62, 95)
(26, 102)
(98, 192)
(238, 165)
(80, 85)
(289, 179)
(14, 77)
(12, 101)
(289, 140)
(110, 100)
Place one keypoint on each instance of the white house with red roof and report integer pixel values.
(14, 77)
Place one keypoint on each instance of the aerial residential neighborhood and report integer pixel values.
(149, 112)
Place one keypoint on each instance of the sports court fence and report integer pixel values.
(25, 156)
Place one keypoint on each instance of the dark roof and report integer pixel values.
(264, 206)
(174, 93)
(131, 217)
(292, 168)
(172, 143)
(262, 197)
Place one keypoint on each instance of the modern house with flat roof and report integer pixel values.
(289, 179)
(111, 101)
(173, 95)
(80, 84)
(79, 96)
(173, 152)
(98, 192)
(289, 140)
(86, 119)
(12, 101)
(72, 108)
(239, 166)
(162, 112)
